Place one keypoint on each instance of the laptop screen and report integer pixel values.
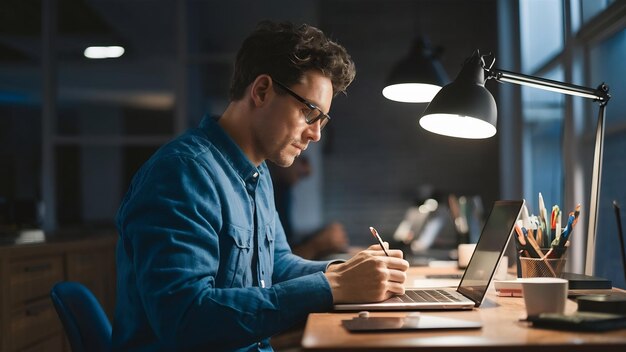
(489, 249)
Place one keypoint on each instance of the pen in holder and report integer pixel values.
(541, 243)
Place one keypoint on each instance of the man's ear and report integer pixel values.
(260, 89)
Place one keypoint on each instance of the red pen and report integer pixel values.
(380, 240)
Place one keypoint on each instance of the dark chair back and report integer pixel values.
(87, 327)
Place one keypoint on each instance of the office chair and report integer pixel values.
(87, 327)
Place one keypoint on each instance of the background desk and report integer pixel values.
(28, 321)
(502, 331)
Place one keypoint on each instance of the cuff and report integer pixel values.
(338, 261)
(307, 294)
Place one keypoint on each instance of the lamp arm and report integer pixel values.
(594, 202)
(600, 94)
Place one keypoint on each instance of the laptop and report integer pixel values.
(421, 230)
(478, 274)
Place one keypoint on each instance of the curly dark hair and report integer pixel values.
(285, 52)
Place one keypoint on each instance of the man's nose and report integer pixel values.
(314, 131)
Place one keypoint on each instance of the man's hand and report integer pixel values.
(369, 276)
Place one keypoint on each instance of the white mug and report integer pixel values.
(465, 251)
(544, 295)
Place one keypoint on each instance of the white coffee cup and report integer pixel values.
(544, 295)
(465, 251)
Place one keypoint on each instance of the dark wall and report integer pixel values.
(376, 153)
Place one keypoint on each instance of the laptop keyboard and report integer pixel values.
(426, 296)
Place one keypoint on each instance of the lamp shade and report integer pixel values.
(417, 77)
(464, 108)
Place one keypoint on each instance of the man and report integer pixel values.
(202, 260)
(327, 240)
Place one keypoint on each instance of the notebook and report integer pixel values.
(478, 274)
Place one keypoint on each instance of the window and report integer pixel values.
(541, 23)
(542, 111)
(590, 53)
(543, 124)
(591, 8)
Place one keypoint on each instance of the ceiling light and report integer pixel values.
(103, 52)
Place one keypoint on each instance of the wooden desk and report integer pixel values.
(502, 331)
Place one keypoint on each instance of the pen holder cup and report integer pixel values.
(534, 267)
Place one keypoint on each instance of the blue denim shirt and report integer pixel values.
(202, 261)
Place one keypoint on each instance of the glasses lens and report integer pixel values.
(317, 114)
(324, 122)
(313, 116)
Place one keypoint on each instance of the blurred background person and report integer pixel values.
(328, 240)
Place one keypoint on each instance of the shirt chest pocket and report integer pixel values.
(237, 257)
(269, 245)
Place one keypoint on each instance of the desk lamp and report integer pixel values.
(417, 77)
(466, 109)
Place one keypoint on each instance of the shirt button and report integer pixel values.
(255, 175)
(260, 344)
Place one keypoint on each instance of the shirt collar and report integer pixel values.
(230, 150)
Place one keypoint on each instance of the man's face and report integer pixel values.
(282, 132)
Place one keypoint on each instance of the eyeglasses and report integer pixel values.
(314, 113)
